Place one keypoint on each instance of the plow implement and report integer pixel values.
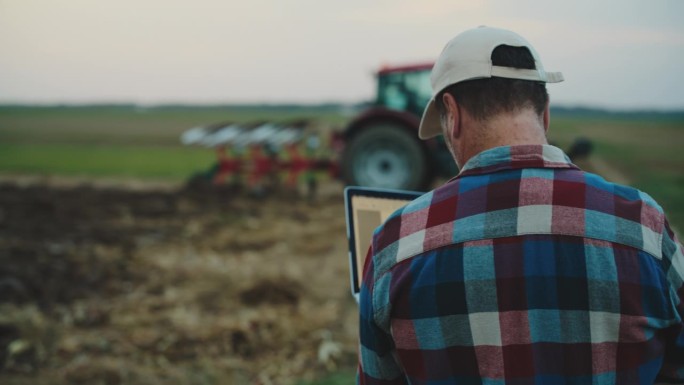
(265, 155)
(379, 147)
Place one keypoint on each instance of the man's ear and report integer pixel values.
(546, 118)
(453, 118)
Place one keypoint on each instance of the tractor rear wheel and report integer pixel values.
(386, 155)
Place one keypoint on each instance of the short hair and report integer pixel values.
(484, 98)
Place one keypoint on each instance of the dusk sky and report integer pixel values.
(618, 54)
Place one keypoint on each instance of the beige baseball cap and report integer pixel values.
(468, 57)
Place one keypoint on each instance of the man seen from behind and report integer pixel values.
(523, 269)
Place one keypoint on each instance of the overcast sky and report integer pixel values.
(614, 53)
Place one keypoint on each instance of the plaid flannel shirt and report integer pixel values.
(523, 270)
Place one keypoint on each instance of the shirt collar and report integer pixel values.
(515, 157)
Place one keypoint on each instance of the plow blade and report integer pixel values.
(247, 134)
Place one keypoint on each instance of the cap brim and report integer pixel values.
(430, 125)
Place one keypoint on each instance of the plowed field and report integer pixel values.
(142, 284)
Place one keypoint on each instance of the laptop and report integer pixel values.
(367, 208)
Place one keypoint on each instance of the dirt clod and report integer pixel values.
(283, 292)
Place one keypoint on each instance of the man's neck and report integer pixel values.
(524, 127)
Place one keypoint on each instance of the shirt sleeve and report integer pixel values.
(377, 364)
(672, 370)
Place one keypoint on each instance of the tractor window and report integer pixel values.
(392, 92)
(405, 91)
(418, 84)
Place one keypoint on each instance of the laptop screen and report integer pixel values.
(367, 208)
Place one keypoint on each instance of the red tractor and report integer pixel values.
(379, 148)
(382, 148)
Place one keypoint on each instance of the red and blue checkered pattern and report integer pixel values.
(523, 270)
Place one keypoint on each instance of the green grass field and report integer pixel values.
(120, 140)
(158, 162)
(130, 125)
(128, 141)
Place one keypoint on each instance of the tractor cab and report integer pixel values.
(404, 88)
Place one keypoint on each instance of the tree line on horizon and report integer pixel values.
(556, 110)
